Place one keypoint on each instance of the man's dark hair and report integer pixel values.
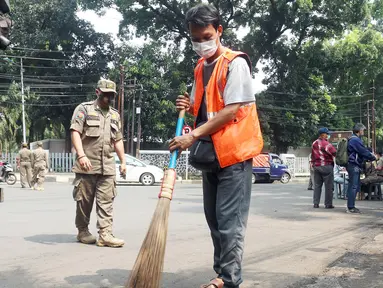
(358, 127)
(203, 15)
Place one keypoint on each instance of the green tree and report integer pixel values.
(158, 82)
(75, 56)
(283, 34)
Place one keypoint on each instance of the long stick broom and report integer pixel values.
(149, 264)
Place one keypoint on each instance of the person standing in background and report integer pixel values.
(25, 165)
(357, 155)
(338, 179)
(40, 164)
(322, 158)
(379, 158)
(311, 180)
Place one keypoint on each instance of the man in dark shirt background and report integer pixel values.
(322, 159)
(357, 155)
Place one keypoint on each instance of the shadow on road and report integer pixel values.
(105, 278)
(52, 239)
(117, 278)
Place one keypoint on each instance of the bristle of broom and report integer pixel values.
(147, 270)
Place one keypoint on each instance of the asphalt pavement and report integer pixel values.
(288, 243)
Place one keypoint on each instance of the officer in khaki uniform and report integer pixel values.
(40, 164)
(96, 134)
(25, 164)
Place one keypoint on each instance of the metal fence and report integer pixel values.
(63, 162)
(58, 162)
(161, 159)
(302, 166)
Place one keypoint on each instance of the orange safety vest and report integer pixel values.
(241, 139)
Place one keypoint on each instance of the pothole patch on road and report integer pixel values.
(344, 272)
(323, 250)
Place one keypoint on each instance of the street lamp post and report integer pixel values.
(138, 112)
(22, 99)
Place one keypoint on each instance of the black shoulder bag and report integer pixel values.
(202, 154)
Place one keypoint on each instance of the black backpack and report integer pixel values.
(341, 153)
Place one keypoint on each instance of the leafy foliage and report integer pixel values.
(321, 59)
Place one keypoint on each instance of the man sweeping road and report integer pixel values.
(227, 138)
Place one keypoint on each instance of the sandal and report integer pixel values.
(214, 283)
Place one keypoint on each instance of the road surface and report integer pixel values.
(288, 243)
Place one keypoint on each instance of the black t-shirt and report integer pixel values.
(202, 112)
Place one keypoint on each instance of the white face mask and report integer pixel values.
(206, 49)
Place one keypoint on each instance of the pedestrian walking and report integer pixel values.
(223, 102)
(96, 133)
(40, 164)
(322, 158)
(357, 155)
(25, 159)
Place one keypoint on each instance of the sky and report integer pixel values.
(109, 23)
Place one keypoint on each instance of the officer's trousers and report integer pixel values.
(89, 187)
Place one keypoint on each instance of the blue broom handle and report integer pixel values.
(180, 125)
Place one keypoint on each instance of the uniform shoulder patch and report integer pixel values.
(80, 116)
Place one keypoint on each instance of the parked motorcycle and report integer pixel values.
(7, 175)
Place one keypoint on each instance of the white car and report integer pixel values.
(138, 172)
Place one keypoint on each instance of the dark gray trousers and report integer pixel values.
(227, 196)
(323, 174)
(311, 180)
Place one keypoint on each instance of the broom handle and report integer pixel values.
(180, 125)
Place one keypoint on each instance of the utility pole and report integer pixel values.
(22, 99)
(373, 118)
(368, 123)
(138, 111)
(127, 143)
(122, 84)
(117, 103)
(360, 109)
(134, 107)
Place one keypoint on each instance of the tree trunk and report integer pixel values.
(68, 141)
(31, 132)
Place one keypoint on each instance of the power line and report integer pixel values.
(42, 67)
(42, 50)
(55, 76)
(52, 91)
(54, 86)
(60, 96)
(312, 95)
(38, 58)
(46, 67)
(49, 59)
(36, 80)
(40, 105)
(26, 79)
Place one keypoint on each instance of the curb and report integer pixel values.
(69, 178)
